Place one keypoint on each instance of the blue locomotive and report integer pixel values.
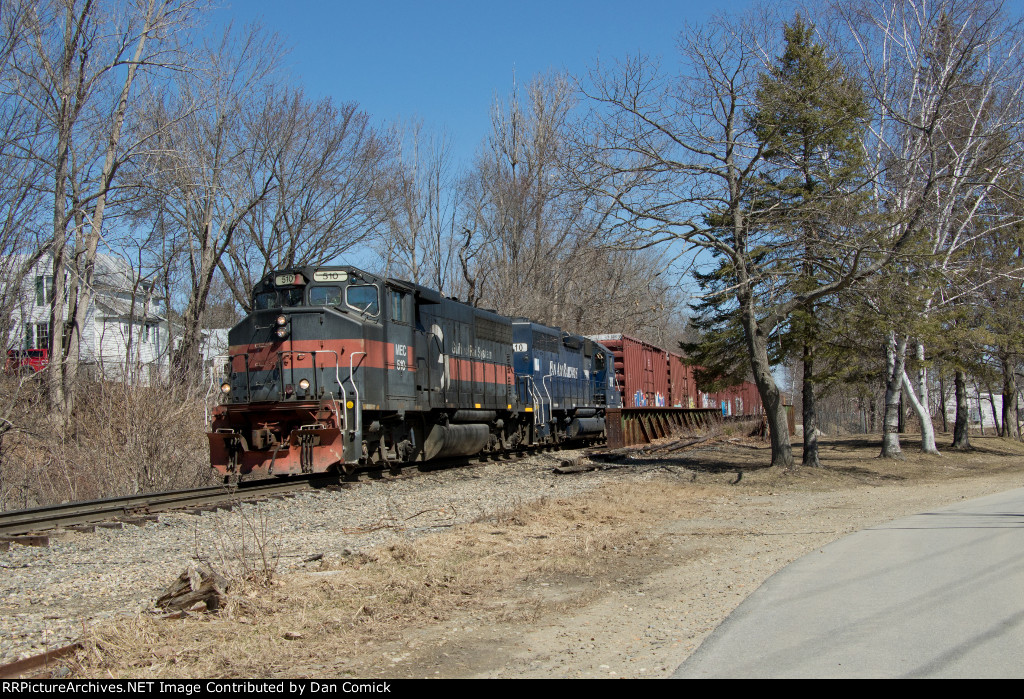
(336, 367)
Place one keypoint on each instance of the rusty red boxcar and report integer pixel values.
(651, 377)
(641, 371)
(682, 390)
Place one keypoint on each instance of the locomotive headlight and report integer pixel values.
(282, 327)
(225, 388)
(304, 384)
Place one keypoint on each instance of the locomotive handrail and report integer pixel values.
(342, 420)
(445, 381)
(352, 380)
(551, 404)
(538, 400)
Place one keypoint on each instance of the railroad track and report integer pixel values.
(137, 508)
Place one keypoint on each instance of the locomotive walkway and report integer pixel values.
(938, 594)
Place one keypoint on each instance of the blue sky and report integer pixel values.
(444, 61)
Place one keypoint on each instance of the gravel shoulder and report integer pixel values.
(502, 570)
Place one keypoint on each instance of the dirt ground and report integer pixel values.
(624, 581)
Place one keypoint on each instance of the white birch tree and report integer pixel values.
(943, 78)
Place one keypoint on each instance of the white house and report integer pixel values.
(125, 330)
(980, 406)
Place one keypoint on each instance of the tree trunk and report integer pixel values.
(59, 409)
(895, 360)
(920, 402)
(771, 397)
(927, 430)
(1010, 428)
(981, 414)
(70, 307)
(810, 453)
(992, 404)
(1019, 400)
(942, 401)
(961, 439)
(187, 358)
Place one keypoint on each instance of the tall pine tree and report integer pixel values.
(810, 115)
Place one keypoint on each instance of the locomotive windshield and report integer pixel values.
(277, 299)
(362, 298)
(324, 295)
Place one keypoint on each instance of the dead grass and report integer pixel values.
(123, 438)
(246, 549)
(525, 562)
(488, 567)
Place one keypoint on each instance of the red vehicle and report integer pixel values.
(27, 361)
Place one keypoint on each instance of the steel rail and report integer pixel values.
(41, 519)
(88, 512)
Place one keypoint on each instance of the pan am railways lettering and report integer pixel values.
(563, 370)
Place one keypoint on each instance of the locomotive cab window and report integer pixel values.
(324, 295)
(268, 299)
(363, 299)
(396, 301)
(277, 299)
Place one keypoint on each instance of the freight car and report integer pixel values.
(648, 376)
(336, 367)
(660, 396)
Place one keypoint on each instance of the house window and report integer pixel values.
(44, 290)
(37, 335)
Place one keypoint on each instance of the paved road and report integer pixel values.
(939, 594)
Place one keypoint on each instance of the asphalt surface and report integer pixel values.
(938, 594)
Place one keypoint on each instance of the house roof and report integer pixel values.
(111, 273)
(115, 274)
(124, 308)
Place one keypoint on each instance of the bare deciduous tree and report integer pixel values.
(532, 239)
(78, 69)
(212, 169)
(418, 241)
(680, 163)
(326, 167)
